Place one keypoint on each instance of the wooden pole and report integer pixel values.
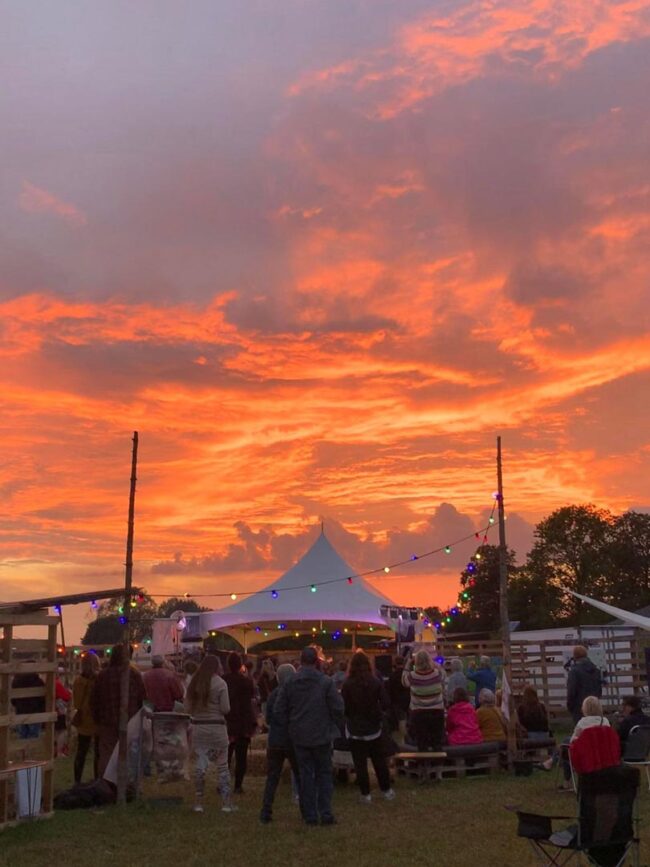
(504, 616)
(122, 765)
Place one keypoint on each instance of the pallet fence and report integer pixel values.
(43, 652)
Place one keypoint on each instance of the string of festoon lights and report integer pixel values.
(381, 572)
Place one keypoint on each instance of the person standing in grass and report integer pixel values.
(31, 704)
(242, 719)
(456, 680)
(105, 703)
(311, 708)
(584, 680)
(279, 747)
(365, 701)
(162, 686)
(83, 719)
(206, 700)
(482, 678)
(425, 679)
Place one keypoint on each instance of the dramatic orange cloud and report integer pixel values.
(329, 257)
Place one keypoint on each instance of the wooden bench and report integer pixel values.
(420, 766)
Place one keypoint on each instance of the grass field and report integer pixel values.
(456, 822)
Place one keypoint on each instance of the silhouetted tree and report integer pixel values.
(103, 630)
(572, 551)
(630, 561)
(178, 603)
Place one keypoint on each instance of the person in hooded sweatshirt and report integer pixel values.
(279, 746)
(584, 680)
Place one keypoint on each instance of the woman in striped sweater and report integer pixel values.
(426, 679)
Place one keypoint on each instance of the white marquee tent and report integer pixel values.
(334, 599)
(335, 604)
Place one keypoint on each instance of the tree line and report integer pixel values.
(581, 548)
(107, 629)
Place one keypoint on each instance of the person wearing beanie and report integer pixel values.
(279, 745)
(311, 709)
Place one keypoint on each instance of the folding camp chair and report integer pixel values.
(603, 831)
(637, 750)
(595, 748)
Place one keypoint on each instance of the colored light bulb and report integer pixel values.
(447, 549)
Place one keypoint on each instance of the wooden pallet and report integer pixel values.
(45, 649)
(420, 766)
(470, 766)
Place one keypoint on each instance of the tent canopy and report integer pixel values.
(338, 601)
(626, 616)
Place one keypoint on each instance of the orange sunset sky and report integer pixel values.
(319, 253)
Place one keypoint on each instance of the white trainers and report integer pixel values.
(390, 795)
(197, 808)
(229, 808)
(365, 799)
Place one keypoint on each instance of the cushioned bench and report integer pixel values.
(471, 759)
(467, 760)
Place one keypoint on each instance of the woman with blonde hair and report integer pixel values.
(207, 701)
(426, 680)
(592, 715)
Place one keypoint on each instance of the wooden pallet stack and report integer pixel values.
(44, 652)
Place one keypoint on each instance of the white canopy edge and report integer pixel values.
(627, 616)
(223, 619)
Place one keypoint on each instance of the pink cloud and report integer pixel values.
(36, 200)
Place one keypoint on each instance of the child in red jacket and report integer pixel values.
(62, 696)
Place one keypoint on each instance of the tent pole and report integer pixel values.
(503, 608)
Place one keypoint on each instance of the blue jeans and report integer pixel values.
(316, 782)
(275, 757)
(30, 730)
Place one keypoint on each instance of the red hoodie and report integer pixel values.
(462, 724)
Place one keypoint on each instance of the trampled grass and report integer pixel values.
(456, 822)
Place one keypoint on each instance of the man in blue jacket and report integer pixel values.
(483, 678)
(311, 708)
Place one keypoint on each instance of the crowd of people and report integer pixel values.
(305, 707)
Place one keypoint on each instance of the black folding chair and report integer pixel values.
(603, 831)
(637, 750)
